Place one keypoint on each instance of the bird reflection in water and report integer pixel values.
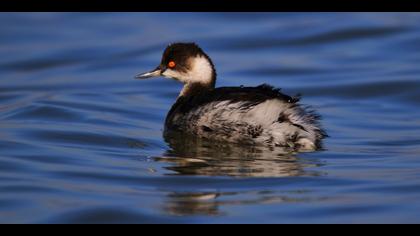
(192, 203)
(212, 203)
(191, 156)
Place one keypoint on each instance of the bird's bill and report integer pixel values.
(154, 73)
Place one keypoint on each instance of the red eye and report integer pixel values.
(171, 64)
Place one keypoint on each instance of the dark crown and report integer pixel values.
(180, 53)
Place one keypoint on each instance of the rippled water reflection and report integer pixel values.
(193, 156)
(81, 141)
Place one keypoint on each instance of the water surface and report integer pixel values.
(81, 141)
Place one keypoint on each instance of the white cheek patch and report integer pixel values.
(201, 72)
(172, 74)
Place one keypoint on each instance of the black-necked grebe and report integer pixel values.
(249, 115)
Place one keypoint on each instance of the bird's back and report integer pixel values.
(248, 115)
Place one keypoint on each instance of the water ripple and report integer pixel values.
(109, 215)
(317, 39)
(81, 141)
(85, 139)
(44, 113)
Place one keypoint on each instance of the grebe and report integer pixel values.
(246, 115)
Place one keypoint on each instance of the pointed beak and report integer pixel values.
(154, 73)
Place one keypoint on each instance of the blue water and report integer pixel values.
(81, 140)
